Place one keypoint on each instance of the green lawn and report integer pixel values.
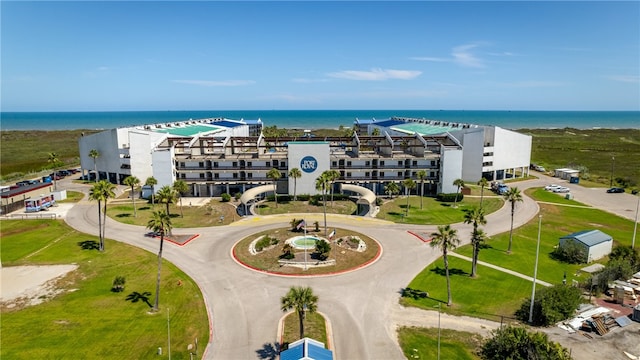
(344, 207)
(434, 211)
(422, 343)
(213, 214)
(314, 327)
(491, 295)
(557, 221)
(89, 321)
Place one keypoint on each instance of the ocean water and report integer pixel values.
(315, 119)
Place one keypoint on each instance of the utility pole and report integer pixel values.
(535, 272)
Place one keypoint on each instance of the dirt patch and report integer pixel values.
(31, 285)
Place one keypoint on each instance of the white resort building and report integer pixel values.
(215, 156)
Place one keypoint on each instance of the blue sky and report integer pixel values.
(109, 56)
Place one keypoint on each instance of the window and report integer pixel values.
(367, 174)
(488, 154)
(235, 164)
(201, 175)
(399, 163)
(181, 164)
(367, 163)
(268, 164)
(348, 174)
(216, 176)
(201, 164)
(250, 175)
(382, 163)
(349, 163)
(433, 163)
(415, 163)
(249, 163)
(215, 164)
(432, 174)
(235, 175)
(183, 176)
(334, 163)
(399, 173)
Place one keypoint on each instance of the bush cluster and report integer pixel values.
(452, 197)
(266, 242)
(551, 305)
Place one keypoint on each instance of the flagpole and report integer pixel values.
(305, 243)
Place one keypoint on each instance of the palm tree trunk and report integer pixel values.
(275, 194)
(324, 201)
(133, 199)
(157, 303)
(301, 319)
(474, 262)
(446, 270)
(295, 186)
(104, 221)
(181, 213)
(101, 247)
(407, 210)
(481, 195)
(95, 170)
(511, 231)
(421, 193)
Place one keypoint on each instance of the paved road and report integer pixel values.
(362, 305)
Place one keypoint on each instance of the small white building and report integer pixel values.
(595, 243)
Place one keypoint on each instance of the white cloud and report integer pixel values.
(375, 74)
(463, 56)
(210, 83)
(308, 81)
(532, 84)
(625, 78)
(429, 58)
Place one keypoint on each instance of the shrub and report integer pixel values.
(266, 241)
(237, 196)
(414, 293)
(323, 248)
(450, 197)
(551, 305)
(226, 197)
(516, 343)
(570, 252)
(118, 284)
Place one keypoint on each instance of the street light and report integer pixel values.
(613, 161)
(635, 224)
(535, 272)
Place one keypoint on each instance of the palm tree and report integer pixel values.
(422, 174)
(322, 183)
(54, 160)
(483, 184)
(332, 176)
(391, 188)
(459, 183)
(151, 181)
(302, 300)
(160, 223)
(409, 185)
(295, 174)
(94, 154)
(96, 194)
(513, 195)
(166, 195)
(446, 238)
(132, 181)
(102, 191)
(375, 132)
(180, 187)
(274, 175)
(476, 217)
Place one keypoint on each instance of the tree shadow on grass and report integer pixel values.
(89, 245)
(144, 208)
(440, 271)
(394, 213)
(123, 215)
(135, 296)
(269, 351)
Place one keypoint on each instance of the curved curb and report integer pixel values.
(255, 269)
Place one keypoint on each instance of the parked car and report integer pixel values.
(502, 189)
(561, 189)
(615, 190)
(551, 187)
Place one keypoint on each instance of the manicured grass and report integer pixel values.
(557, 221)
(72, 197)
(540, 194)
(89, 321)
(314, 327)
(492, 295)
(267, 259)
(434, 211)
(344, 207)
(422, 343)
(194, 216)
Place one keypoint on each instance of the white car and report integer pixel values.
(561, 189)
(551, 187)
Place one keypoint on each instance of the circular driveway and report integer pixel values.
(244, 306)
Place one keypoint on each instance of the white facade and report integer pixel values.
(312, 158)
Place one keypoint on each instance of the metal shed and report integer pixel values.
(595, 243)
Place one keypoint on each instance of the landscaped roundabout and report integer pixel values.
(294, 251)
